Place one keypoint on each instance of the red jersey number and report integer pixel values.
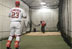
(15, 14)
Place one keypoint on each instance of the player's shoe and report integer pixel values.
(8, 48)
(17, 48)
(16, 44)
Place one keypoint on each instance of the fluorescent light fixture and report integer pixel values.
(42, 3)
(43, 10)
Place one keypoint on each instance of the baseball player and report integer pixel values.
(43, 24)
(16, 14)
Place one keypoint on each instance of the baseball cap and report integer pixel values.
(17, 2)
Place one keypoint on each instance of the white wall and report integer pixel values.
(71, 18)
(50, 16)
(5, 6)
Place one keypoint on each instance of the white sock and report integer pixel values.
(17, 38)
(10, 38)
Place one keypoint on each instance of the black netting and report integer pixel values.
(64, 24)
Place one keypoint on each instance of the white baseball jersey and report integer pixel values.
(16, 14)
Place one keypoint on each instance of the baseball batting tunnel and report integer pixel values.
(57, 19)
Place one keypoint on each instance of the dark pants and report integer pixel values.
(43, 29)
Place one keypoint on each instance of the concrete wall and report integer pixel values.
(5, 6)
(71, 18)
(50, 16)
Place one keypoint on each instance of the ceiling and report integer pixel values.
(37, 3)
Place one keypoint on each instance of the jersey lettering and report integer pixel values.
(15, 14)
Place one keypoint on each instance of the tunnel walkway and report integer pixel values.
(39, 42)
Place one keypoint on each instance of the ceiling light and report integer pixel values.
(42, 3)
(43, 10)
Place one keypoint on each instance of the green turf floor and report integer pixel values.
(39, 42)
